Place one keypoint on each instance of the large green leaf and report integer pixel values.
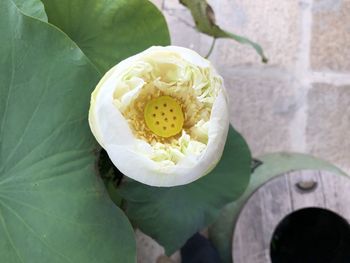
(53, 208)
(109, 31)
(34, 8)
(272, 165)
(172, 215)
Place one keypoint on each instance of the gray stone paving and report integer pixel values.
(300, 101)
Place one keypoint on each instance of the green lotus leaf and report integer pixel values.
(34, 8)
(172, 215)
(53, 207)
(109, 31)
(272, 165)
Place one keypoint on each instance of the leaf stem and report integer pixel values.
(211, 48)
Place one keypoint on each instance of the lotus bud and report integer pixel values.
(162, 116)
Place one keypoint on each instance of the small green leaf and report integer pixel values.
(204, 18)
(272, 165)
(53, 207)
(34, 8)
(109, 31)
(172, 215)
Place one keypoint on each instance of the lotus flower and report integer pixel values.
(162, 116)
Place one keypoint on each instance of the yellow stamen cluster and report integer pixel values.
(192, 111)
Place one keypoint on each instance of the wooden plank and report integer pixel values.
(250, 232)
(337, 193)
(257, 221)
(276, 203)
(302, 199)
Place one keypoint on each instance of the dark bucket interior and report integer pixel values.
(311, 235)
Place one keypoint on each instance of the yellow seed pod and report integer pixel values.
(164, 116)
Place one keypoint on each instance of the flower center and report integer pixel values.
(164, 116)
